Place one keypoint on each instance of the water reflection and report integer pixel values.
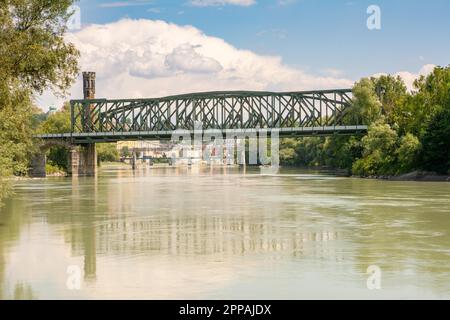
(220, 233)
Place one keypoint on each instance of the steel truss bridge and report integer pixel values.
(305, 113)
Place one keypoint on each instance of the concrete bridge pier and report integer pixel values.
(83, 160)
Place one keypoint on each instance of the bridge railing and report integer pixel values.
(216, 110)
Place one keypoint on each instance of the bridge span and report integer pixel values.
(238, 114)
(304, 113)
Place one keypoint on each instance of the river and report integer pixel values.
(224, 233)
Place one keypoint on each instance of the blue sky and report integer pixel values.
(314, 35)
(276, 45)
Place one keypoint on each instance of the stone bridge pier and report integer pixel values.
(82, 161)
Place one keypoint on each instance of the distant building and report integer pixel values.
(178, 154)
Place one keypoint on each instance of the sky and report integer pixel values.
(154, 48)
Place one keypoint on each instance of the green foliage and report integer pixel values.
(15, 132)
(56, 123)
(53, 169)
(379, 150)
(391, 92)
(431, 95)
(288, 155)
(59, 157)
(310, 151)
(340, 151)
(107, 152)
(302, 152)
(366, 105)
(400, 123)
(436, 143)
(407, 152)
(33, 58)
(37, 117)
(33, 50)
(15, 129)
(434, 97)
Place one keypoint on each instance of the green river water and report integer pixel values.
(224, 233)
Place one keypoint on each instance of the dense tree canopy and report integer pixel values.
(407, 130)
(33, 57)
(33, 51)
(436, 142)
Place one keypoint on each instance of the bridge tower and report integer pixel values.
(89, 85)
(83, 159)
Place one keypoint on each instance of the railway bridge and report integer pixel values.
(231, 113)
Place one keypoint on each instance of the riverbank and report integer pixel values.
(415, 176)
(411, 176)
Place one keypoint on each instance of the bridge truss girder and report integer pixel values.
(214, 110)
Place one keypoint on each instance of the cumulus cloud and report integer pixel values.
(185, 59)
(208, 3)
(409, 77)
(147, 58)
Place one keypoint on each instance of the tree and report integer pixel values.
(431, 95)
(107, 152)
(436, 143)
(390, 91)
(366, 105)
(309, 151)
(407, 152)
(33, 50)
(407, 130)
(56, 123)
(33, 57)
(288, 155)
(341, 151)
(379, 151)
(15, 133)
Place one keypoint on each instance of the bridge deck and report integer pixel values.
(93, 137)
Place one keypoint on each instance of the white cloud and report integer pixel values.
(146, 58)
(185, 58)
(208, 3)
(409, 77)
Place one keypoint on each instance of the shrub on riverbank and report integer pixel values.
(53, 170)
